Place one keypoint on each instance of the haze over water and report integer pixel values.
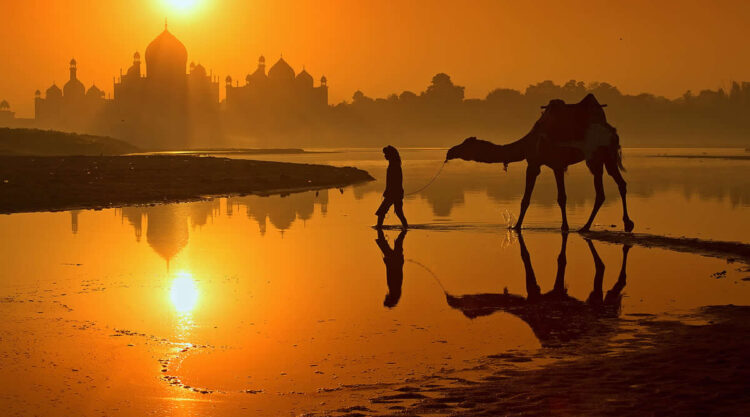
(284, 296)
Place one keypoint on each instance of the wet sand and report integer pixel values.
(727, 157)
(731, 251)
(90, 182)
(665, 368)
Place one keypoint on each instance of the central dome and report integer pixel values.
(281, 71)
(166, 55)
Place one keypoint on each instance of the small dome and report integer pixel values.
(323, 79)
(74, 88)
(304, 78)
(4, 105)
(136, 56)
(73, 62)
(262, 60)
(134, 70)
(54, 91)
(281, 71)
(199, 70)
(37, 93)
(94, 91)
(228, 79)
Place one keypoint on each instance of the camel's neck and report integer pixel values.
(492, 153)
(513, 152)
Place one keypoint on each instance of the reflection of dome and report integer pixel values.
(54, 91)
(167, 231)
(305, 79)
(166, 55)
(281, 71)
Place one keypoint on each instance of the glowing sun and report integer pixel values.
(183, 6)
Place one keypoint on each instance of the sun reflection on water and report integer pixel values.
(184, 293)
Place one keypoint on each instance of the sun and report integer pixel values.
(183, 6)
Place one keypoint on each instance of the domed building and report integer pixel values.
(71, 108)
(167, 107)
(279, 98)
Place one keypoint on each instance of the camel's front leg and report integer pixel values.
(598, 170)
(562, 198)
(532, 171)
(622, 186)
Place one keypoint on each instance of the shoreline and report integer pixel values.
(665, 367)
(34, 184)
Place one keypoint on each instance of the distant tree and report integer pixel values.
(360, 98)
(407, 97)
(503, 95)
(443, 90)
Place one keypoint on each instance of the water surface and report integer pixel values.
(279, 304)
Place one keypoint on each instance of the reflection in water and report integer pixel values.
(74, 221)
(729, 181)
(554, 317)
(167, 225)
(394, 266)
(184, 293)
(184, 297)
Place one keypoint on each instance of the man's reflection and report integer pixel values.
(554, 317)
(394, 266)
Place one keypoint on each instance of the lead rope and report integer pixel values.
(429, 271)
(431, 181)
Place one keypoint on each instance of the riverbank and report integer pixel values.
(667, 368)
(30, 184)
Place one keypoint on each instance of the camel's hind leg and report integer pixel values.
(615, 173)
(596, 168)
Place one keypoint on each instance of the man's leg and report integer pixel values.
(399, 209)
(382, 210)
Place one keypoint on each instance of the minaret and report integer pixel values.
(262, 64)
(73, 69)
(137, 63)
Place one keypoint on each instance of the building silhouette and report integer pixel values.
(72, 108)
(166, 104)
(274, 101)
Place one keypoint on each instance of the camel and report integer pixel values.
(564, 135)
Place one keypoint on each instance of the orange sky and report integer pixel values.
(387, 46)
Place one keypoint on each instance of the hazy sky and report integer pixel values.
(380, 47)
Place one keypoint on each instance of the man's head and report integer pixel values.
(391, 153)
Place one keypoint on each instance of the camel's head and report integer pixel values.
(459, 150)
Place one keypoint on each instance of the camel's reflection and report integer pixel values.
(554, 317)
